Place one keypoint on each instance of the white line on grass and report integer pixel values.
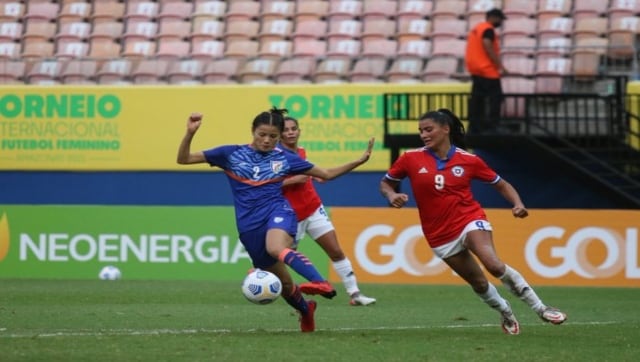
(4, 333)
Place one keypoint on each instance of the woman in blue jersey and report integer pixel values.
(266, 222)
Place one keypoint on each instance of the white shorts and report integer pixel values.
(315, 225)
(458, 244)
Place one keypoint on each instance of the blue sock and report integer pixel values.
(300, 264)
(297, 301)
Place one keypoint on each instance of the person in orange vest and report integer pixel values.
(482, 60)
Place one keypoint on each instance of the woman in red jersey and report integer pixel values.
(313, 219)
(454, 223)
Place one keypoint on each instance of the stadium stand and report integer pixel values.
(369, 33)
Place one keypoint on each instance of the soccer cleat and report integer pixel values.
(360, 299)
(510, 324)
(322, 288)
(552, 315)
(307, 323)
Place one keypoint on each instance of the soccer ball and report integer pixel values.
(261, 287)
(110, 272)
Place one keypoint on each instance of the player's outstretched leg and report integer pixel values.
(344, 269)
(508, 321)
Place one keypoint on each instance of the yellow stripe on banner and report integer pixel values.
(633, 90)
(139, 128)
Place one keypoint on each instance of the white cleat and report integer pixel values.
(552, 315)
(361, 299)
(510, 324)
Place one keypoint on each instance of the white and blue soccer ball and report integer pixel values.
(261, 287)
(110, 272)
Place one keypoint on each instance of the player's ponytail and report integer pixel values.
(456, 129)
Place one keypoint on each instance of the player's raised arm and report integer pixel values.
(185, 156)
(331, 173)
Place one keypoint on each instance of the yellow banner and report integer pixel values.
(633, 89)
(550, 247)
(139, 128)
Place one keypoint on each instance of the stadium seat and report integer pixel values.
(402, 70)
(10, 31)
(114, 71)
(144, 11)
(41, 12)
(379, 10)
(623, 8)
(221, 71)
(71, 50)
(589, 9)
(173, 49)
(210, 10)
(13, 11)
(344, 9)
(379, 48)
(515, 106)
(140, 31)
(332, 70)
(185, 71)
(257, 70)
(9, 50)
(73, 31)
(175, 11)
(622, 34)
(448, 28)
(207, 29)
(378, 28)
(594, 44)
(450, 9)
(207, 49)
(519, 45)
(553, 9)
(36, 48)
(344, 48)
(368, 70)
(174, 30)
(295, 70)
(39, 30)
(107, 30)
(45, 70)
(414, 49)
(413, 29)
(439, 69)
(79, 71)
(242, 49)
(518, 9)
(275, 29)
(585, 64)
(477, 9)
(150, 71)
(275, 49)
(550, 72)
(519, 65)
(11, 71)
(309, 48)
(310, 28)
(311, 10)
(107, 11)
(137, 49)
(414, 9)
(344, 29)
(554, 46)
(242, 10)
(104, 49)
(277, 10)
(241, 29)
(73, 12)
(555, 27)
(590, 27)
(449, 47)
(519, 27)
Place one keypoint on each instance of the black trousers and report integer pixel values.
(484, 104)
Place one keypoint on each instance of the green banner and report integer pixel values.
(75, 242)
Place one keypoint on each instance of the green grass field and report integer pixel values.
(54, 320)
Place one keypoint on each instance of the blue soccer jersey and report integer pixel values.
(256, 180)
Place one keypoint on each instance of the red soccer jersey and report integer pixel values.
(442, 189)
(303, 197)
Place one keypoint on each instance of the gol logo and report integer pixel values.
(621, 252)
(401, 250)
(4, 236)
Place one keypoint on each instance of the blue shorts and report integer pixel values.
(254, 241)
